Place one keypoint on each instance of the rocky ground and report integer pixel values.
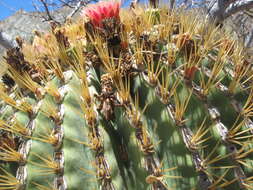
(24, 23)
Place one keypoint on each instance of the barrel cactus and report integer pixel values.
(138, 99)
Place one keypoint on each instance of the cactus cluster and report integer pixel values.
(126, 100)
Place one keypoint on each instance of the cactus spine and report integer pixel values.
(147, 99)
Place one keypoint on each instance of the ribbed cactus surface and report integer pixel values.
(127, 100)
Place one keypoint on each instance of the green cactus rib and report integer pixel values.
(96, 141)
(186, 134)
(21, 125)
(152, 164)
(234, 102)
(151, 99)
(228, 137)
(222, 131)
(53, 136)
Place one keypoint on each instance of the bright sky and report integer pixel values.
(8, 7)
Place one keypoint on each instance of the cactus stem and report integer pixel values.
(56, 68)
(248, 183)
(241, 154)
(26, 81)
(56, 136)
(234, 133)
(248, 106)
(47, 138)
(213, 79)
(49, 165)
(227, 135)
(208, 161)
(7, 153)
(235, 104)
(176, 54)
(15, 127)
(221, 178)
(50, 111)
(53, 91)
(187, 135)
(145, 144)
(152, 72)
(8, 181)
(180, 108)
(154, 179)
(19, 105)
(42, 187)
(163, 90)
(197, 138)
(123, 90)
(25, 145)
(96, 141)
(223, 131)
(89, 171)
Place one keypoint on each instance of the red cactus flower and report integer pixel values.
(190, 72)
(102, 10)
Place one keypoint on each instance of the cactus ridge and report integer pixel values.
(139, 99)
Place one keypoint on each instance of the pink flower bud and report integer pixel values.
(100, 11)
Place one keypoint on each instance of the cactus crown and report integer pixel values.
(143, 99)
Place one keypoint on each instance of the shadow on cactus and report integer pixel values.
(127, 99)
